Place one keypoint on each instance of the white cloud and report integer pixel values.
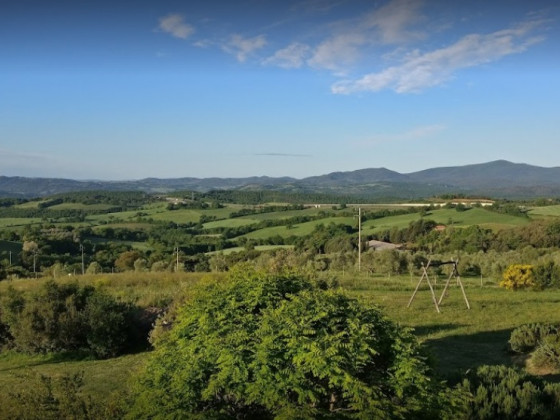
(175, 25)
(293, 56)
(423, 70)
(243, 47)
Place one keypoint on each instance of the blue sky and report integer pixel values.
(128, 90)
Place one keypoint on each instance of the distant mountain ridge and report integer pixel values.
(500, 179)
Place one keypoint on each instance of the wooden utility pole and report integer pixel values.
(177, 263)
(83, 267)
(359, 239)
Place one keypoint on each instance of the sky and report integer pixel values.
(122, 90)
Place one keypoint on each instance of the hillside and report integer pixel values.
(500, 179)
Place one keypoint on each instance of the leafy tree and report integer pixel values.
(125, 261)
(94, 268)
(278, 346)
(547, 274)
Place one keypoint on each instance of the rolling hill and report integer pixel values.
(500, 179)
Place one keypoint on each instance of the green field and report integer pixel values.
(10, 222)
(230, 223)
(301, 229)
(258, 248)
(81, 206)
(474, 216)
(547, 211)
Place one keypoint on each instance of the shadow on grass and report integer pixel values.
(455, 354)
(14, 361)
(432, 329)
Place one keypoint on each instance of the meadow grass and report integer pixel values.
(547, 211)
(457, 338)
(102, 378)
(143, 288)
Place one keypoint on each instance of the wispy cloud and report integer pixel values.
(419, 71)
(282, 154)
(293, 56)
(338, 52)
(416, 133)
(243, 47)
(176, 26)
(393, 23)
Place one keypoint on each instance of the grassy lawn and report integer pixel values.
(459, 338)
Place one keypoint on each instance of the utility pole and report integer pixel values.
(359, 239)
(83, 268)
(34, 267)
(10, 258)
(177, 264)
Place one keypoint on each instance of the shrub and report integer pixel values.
(525, 338)
(51, 398)
(276, 346)
(66, 317)
(541, 339)
(547, 353)
(518, 276)
(546, 275)
(500, 392)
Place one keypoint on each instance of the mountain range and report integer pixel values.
(498, 179)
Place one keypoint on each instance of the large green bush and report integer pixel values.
(277, 346)
(67, 317)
